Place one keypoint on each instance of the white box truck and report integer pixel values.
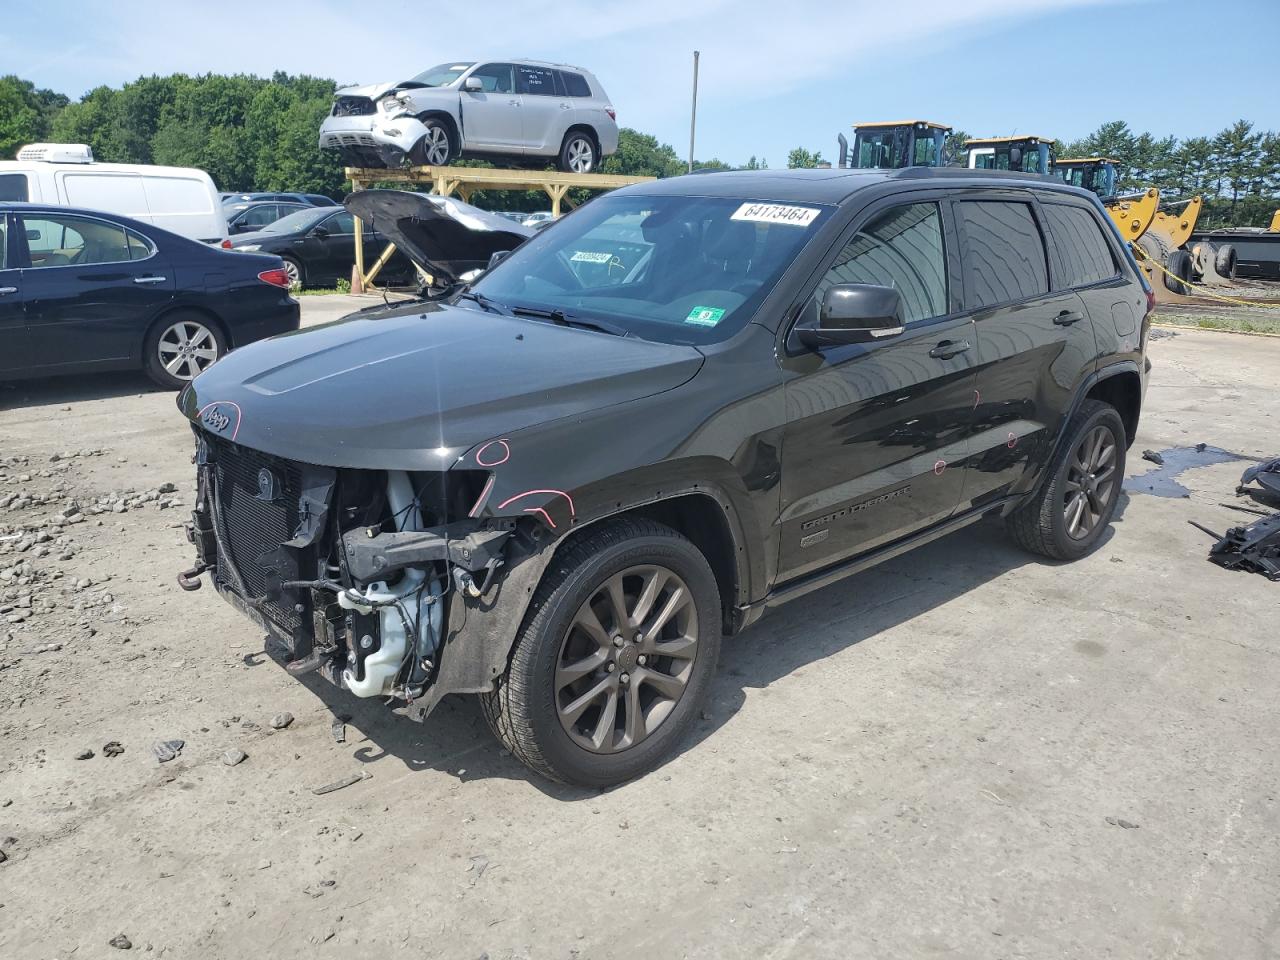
(181, 199)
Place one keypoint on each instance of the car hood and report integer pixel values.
(413, 387)
(255, 236)
(445, 237)
(371, 90)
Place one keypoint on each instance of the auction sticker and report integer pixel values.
(776, 213)
(591, 256)
(704, 316)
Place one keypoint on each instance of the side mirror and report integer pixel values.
(320, 233)
(496, 258)
(33, 234)
(473, 85)
(1015, 158)
(855, 313)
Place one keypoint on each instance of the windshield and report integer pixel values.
(297, 221)
(439, 76)
(673, 269)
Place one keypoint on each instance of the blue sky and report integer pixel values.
(774, 75)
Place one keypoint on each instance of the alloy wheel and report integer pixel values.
(293, 273)
(187, 348)
(1091, 482)
(581, 155)
(626, 659)
(435, 145)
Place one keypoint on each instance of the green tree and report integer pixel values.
(26, 114)
(754, 164)
(802, 158)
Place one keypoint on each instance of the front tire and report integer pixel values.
(614, 659)
(1067, 517)
(181, 346)
(293, 269)
(435, 148)
(1179, 265)
(578, 153)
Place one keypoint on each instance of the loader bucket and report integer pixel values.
(1134, 215)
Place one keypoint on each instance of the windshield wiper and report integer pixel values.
(562, 319)
(485, 303)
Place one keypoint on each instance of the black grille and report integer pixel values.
(353, 107)
(252, 526)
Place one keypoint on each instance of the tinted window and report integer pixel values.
(575, 84)
(535, 80)
(139, 246)
(1004, 257)
(259, 216)
(13, 186)
(56, 241)
(340, 223)
(1083, 253)
(901, 248)
(494, 77)
(4, 241)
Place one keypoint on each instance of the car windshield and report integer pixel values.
(673, 269)
(439, 76)
(297, 221)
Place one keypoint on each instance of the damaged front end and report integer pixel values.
(368, 577)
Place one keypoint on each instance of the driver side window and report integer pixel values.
(900, 248)
(55, 241)
(494, 77)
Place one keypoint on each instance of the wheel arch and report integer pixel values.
(174, 308)
(451, 124)
(1122, 389)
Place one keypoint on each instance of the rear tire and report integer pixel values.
(297, 276)
(579, 153)
(575, 649)
(1050, 523)
(1224, 261)
(180, 346)
(1179, 264)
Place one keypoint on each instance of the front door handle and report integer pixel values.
(5, 291)
(1067, 317)
(148, 279)
(948, 349)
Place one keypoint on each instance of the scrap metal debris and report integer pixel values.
(1267, 477)
(112, 749)
(166, 750)
(1254, 548)
(1153, 457)
(339, 784)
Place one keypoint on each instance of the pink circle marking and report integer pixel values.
(1013, 441)
(506, 454)
(939, 467)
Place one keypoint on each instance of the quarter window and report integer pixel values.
(575, 84)
(74, 241)
(494, 77)
(901, 248)
(139, 246)
(13, 186)
(1084, 255)
(1005, 259)
(535, 80)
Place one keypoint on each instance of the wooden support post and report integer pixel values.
(359, 236)
(379, 264)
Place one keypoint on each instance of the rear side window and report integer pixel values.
(901, 248)
(1084, 256)
(13, 186)
(139, 246)
(534, 80)
(575, 84)
(1004, 256)
(58, 241)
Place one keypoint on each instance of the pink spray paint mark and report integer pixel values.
(506, 454)
(939, 467)
(1013, 441)
(528, 493)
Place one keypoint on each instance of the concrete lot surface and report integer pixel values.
(963, 753)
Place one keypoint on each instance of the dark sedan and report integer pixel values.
(84, 291)
(318, 247)
(254, 215)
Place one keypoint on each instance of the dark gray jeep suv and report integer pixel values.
(686, 403)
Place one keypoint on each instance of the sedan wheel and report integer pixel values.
(186, 348)
(626, 659)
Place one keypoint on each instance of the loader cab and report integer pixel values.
(894, 144)
(1021, 154)
(1091, 173)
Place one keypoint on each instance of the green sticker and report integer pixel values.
(705, 316)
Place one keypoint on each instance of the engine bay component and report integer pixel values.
(371, 553)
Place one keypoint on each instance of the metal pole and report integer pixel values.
(693, 117)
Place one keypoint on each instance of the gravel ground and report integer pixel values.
(964, 752)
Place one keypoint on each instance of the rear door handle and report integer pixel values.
(948, 349)
(5, 291)
(1067, 317)
(148, 279)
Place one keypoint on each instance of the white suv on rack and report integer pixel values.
(516, 108)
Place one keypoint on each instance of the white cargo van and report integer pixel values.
(180, 199)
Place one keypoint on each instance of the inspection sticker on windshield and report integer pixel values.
(591, 256)
(776, 213)
(704, 316)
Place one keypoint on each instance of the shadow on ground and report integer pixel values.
(51, 391)
(456, 740)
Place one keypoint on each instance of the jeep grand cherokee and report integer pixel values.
(682, 405)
